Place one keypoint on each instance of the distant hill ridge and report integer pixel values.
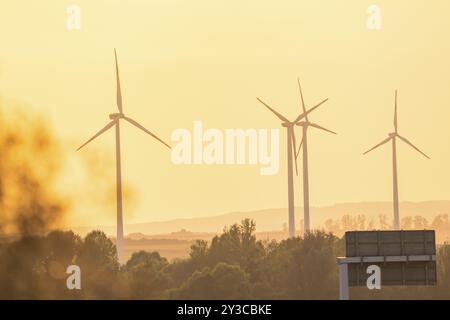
(273, 219)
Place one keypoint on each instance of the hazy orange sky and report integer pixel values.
(182, 61)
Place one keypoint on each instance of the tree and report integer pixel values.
(199, 253)
(146, 275)
(63, 246)
(99, 267)
(61, 249)
(98, 252)
(224, 281)
(443, 271)
(22, 265)
(303, 268)
(238, 245)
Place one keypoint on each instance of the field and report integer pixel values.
(176, 245)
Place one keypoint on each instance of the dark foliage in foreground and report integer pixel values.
(233, 266)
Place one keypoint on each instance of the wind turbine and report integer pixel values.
(304, 144)
(115, 119)
(291, 146)
(393, 137)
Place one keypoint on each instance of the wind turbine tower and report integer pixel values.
(115, 122)
(304, 144)
(291, 148)
(393, 138)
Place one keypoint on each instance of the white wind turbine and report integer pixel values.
(291, 148)
(115, 118)
(304, 144)
(393, 137)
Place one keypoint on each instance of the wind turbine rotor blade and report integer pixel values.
(301, 96)
(321, 128)
(300, 117)
(378, 145)
(279, 115)
(108, 126)
(413, 146)
(395, 113)
(119, 92)
(133, 122)
(299, 148)
(294, 147)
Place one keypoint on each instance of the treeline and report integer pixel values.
(439, 223)
(234, 265)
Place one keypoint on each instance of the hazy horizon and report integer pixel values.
(297, 207)
(179, 65)
(273, 219)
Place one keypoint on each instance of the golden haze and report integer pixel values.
(202, 60)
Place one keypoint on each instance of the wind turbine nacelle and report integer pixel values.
(114, 116)
(392, 134)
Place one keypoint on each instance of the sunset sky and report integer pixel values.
(182, 61)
